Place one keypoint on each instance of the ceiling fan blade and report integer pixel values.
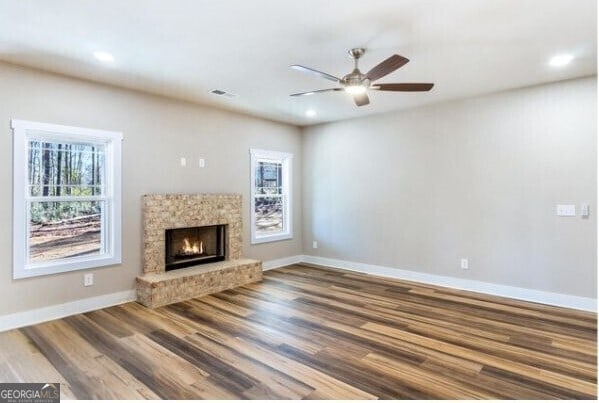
(312, 71)
(361, 99)
(408, 87)
(385, 67)
(315, 91)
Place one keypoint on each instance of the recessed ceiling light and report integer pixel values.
(310, 113)
(561, 60)
(104, 57)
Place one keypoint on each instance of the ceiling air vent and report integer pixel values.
(222, 93)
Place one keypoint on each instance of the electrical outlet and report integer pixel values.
(183, 161)
(314, 244)
(464, 264)
(202, 163)
(88, 279)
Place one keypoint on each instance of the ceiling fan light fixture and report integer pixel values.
(355, 89)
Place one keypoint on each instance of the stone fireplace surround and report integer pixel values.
(156, 287)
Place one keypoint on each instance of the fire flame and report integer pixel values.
(189, 249)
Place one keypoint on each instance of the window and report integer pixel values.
(271, 196)
(66, 198)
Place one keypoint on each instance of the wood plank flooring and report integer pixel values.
(309, 333)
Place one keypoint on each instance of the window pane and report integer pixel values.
(60, 230)
(270, 172)
(269, 215)
(65, 169)
(269, 177)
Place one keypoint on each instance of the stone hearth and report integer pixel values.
(156, 287)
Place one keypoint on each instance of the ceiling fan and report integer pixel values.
(358, 84)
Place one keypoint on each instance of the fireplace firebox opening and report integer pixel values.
(185, 247)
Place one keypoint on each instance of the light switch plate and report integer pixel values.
(464, 264)
(566, 210)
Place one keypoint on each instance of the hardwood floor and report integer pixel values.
(310, 333)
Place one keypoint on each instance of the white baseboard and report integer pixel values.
(34, 316)
(543, 297)
(286, 261)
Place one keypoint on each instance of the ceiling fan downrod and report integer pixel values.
(356, 54)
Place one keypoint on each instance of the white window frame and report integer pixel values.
(21, 197)
(287, 160)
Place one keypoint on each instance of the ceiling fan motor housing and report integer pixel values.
(355, 78)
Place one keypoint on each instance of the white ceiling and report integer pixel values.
(185, 48)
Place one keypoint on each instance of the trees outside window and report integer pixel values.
(66, 198)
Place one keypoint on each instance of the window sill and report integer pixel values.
(271, 238)
(66, 266)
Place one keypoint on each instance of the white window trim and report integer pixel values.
(20, 198)
(287, 158)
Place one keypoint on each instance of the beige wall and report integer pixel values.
(477, 178)
(157, 132)
(414, 190)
